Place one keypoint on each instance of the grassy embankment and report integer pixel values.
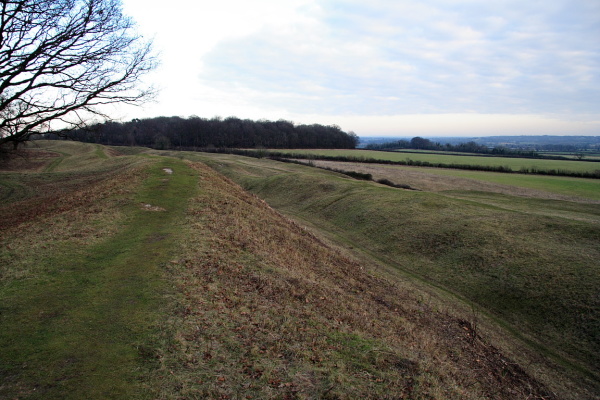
(471, 182)
(531, 264)
(215, 295)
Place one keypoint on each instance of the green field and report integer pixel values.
(587, 188)
(514, 163)
(450, 179)
(587, 155)
(119, 279)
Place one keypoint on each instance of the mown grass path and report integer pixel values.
(84, 329)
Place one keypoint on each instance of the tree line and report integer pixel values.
(419, 143)
(199, 133)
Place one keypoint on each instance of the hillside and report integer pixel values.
(136, 276)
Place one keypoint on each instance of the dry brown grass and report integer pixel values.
(267, 310)
(27, 160)
(62, 209)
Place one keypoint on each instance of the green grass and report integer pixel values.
(216, 295)
(536, 273)
(586, 188)
(76, 156)
(465, 182)
(13, 189)
(568, 186)
(514, 163)
(587, 155)
(56, 162)
(129, 150)
(83, 324)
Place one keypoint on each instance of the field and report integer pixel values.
(440, 179)
(587, 155)
(514, 164)
(122, 280)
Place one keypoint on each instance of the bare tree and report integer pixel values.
(61, 60)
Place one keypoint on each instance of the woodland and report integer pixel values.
(164, 133)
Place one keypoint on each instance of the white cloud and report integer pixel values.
(377, 58)
(466, 125)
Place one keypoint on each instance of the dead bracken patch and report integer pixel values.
(63, 195)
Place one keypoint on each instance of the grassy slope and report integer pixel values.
(219, 296)
(269, 311)
(449, 179)
(536, 272)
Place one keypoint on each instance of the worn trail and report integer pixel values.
(84, 329)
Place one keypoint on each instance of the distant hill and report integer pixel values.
(544, 142)
(539, 142)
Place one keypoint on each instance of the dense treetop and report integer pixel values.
(195, 132)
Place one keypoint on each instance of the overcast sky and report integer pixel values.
(380, 67)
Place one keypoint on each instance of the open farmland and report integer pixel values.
(121, 279)
(515, 164)
(446, 180)
(587, 155)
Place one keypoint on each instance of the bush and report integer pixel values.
(385, 182)
(395, 185)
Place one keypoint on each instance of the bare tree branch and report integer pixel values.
(59, 58)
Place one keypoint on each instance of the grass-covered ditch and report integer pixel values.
(536, 273)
